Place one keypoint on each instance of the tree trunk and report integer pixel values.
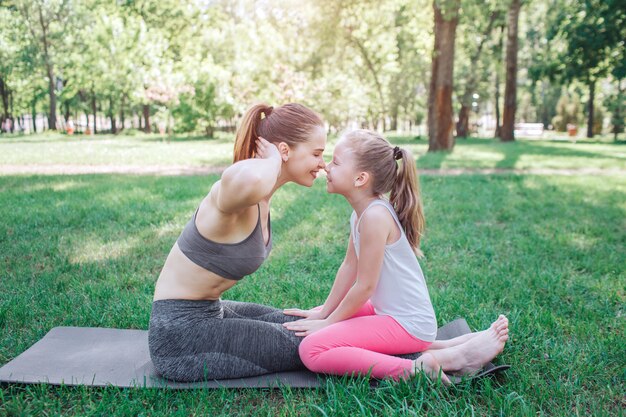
(122, 111)
(94, 110)
(33, 110)
(11, 109)
(618, 124)
(4, 93)
(462, 126)
(112, 116)
(370, 67)
(507, 133)
(440, 123)
(592, 88)
(67, 112)
(146, 117)
(394, 117)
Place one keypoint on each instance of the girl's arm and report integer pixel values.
(246, 182)
(376, 225)
(344, 279)
(374, 233)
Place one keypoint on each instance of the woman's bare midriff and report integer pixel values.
(182, 279)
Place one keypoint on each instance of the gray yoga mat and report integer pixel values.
(102, 357)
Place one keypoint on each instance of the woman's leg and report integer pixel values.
(253, 311)
(189, 341)
(360, 345)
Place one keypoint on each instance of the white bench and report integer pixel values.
(528, 129)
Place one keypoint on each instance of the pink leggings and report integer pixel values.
(359, 344)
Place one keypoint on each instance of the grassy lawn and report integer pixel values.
(548, 251)
(142, 150)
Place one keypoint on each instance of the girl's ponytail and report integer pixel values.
(393, 171)
(245, 141)
(405, 199)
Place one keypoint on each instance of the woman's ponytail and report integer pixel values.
(405, 199)
(245, 141)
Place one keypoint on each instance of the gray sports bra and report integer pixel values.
(228, 260)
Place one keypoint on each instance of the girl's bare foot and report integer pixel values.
(431, 368)
(485, 346)
(500, 322)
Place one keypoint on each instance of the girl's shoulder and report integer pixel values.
(376, 216)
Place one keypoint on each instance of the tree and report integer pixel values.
(440, 123)
(592, 31)
(477, 25)
(507, 132)
(47, 24)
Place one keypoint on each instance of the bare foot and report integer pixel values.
(431, 368)
(500, 322)
(485, 346)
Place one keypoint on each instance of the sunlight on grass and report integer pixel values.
(81, 248)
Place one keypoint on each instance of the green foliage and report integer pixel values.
(568, 111)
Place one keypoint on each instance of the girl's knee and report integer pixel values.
(309, 350)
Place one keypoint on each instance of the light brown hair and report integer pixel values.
(374, 154)
(291, 123)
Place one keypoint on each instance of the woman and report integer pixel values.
(193, 334)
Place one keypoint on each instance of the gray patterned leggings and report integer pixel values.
(204, 340)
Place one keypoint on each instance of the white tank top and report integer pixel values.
(401, 291)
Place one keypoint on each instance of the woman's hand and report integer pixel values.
(312, 314)
(306, 326)
(267, 150)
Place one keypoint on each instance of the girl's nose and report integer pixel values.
(322, 164)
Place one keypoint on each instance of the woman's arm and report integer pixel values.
(246, 182)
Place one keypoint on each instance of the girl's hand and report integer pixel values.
(267, 150)
(312, 314)
(306, 326)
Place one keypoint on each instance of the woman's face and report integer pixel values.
(306, 160)
(341, 171)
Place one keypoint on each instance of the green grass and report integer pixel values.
(548, 251)
(143, 150)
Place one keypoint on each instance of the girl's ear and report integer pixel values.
(284, 151)
(362, 179)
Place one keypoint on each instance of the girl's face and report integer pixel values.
(305, 159)
(341, 171)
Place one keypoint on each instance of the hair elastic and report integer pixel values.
(397, 153)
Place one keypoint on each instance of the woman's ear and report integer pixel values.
(362, 179)
(284, 151)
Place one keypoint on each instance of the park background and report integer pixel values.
(118, 116)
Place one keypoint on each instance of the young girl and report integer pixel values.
(379, 303)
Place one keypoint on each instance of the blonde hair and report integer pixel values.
(374, 154)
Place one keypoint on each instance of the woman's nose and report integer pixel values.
(322, 164)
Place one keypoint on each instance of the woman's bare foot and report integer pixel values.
(431, 368)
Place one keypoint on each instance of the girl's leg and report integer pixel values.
(360, 345)
(444, 344)
(471, 355)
